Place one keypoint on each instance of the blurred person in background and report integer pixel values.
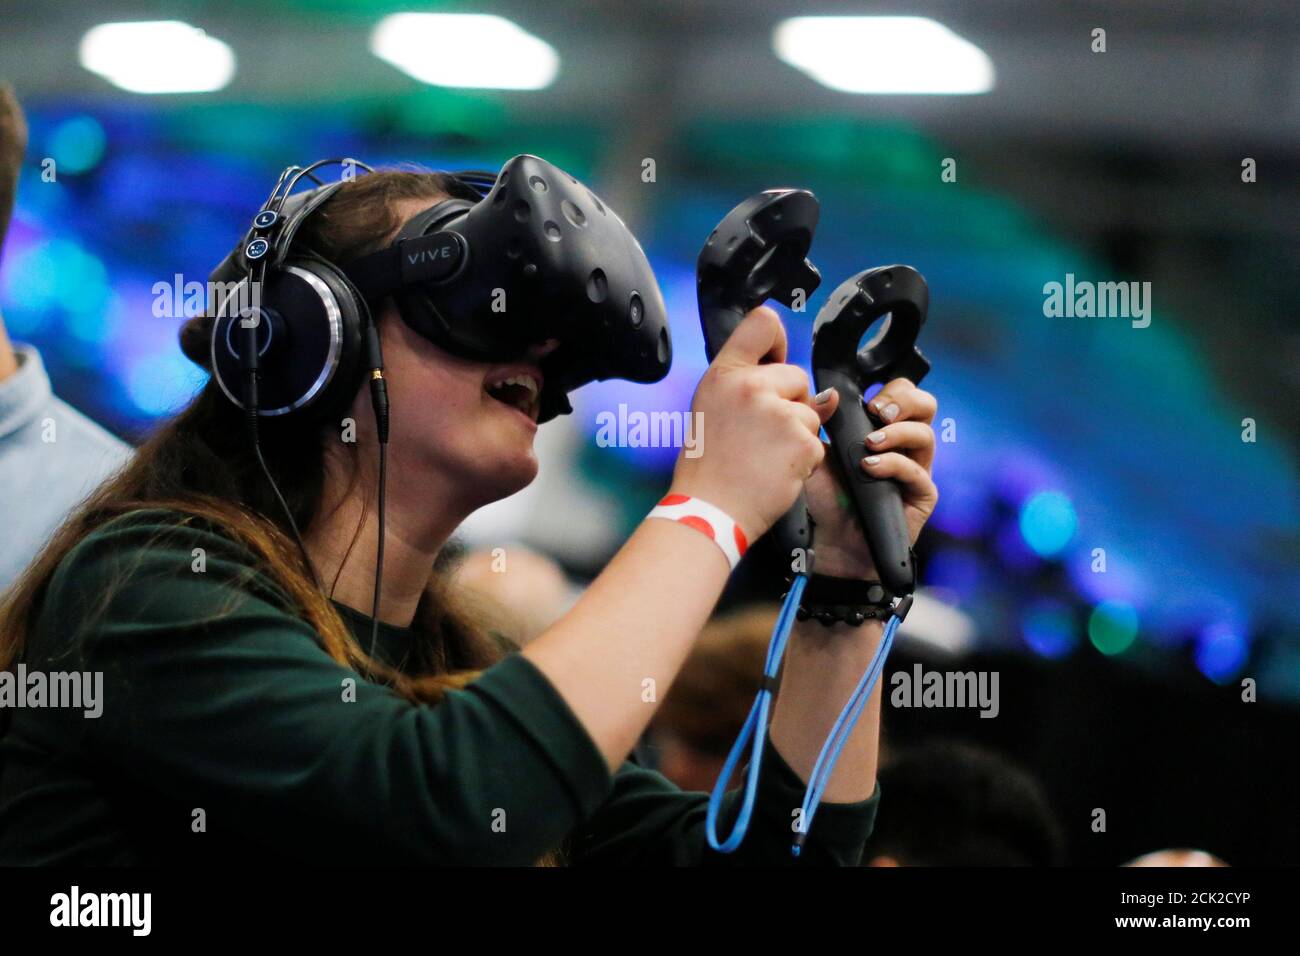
(706, 707)
(953, 804)
(244, 687)
(51, 456)
(515, 591)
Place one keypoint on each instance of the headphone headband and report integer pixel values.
(284, 212)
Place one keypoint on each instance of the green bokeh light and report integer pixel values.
(77, 144)
(1113, 627)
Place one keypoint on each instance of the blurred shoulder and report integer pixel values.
(88, 439)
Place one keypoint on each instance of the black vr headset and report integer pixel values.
(519, 257)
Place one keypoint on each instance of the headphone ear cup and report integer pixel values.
(309, 341)
(339, 389)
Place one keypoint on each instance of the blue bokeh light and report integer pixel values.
(1049, 629)
(1221, 652)
(957, 572)
(1048, 522)
(162, 383)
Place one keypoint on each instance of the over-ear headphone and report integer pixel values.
(307, 321)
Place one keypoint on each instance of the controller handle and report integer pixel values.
(900, 293)
(759, 251)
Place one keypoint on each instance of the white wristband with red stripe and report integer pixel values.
(706, 518)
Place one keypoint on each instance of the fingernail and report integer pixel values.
(872, 459)
(875, 437)
(824, 396)
(889, 412)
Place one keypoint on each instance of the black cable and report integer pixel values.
(379, 548)
(248, 359)
(378, 405)
(284, 506)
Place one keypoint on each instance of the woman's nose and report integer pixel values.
(540, 350)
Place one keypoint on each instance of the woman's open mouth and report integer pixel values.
(521, 390)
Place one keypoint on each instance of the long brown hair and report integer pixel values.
(201, 465)
(13, 146)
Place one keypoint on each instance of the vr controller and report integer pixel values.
(758, 252)
(900, 293)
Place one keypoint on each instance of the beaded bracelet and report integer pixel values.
(852, 601)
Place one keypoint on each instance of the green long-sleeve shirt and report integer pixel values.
(228, 734)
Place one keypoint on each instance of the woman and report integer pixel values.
(242, 718)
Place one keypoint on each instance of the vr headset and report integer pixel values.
(519, 257)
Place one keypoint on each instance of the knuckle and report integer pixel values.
(748, 387)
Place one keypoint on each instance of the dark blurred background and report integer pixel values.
(1062, 436)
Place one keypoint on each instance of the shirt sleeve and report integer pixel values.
(649, 821)
(216, 695)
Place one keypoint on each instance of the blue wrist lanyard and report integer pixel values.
(756, 728)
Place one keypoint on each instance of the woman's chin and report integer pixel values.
(510, 470)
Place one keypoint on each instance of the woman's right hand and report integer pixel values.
(755, 429)
(756, 438)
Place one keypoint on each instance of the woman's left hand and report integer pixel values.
(904, 453)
